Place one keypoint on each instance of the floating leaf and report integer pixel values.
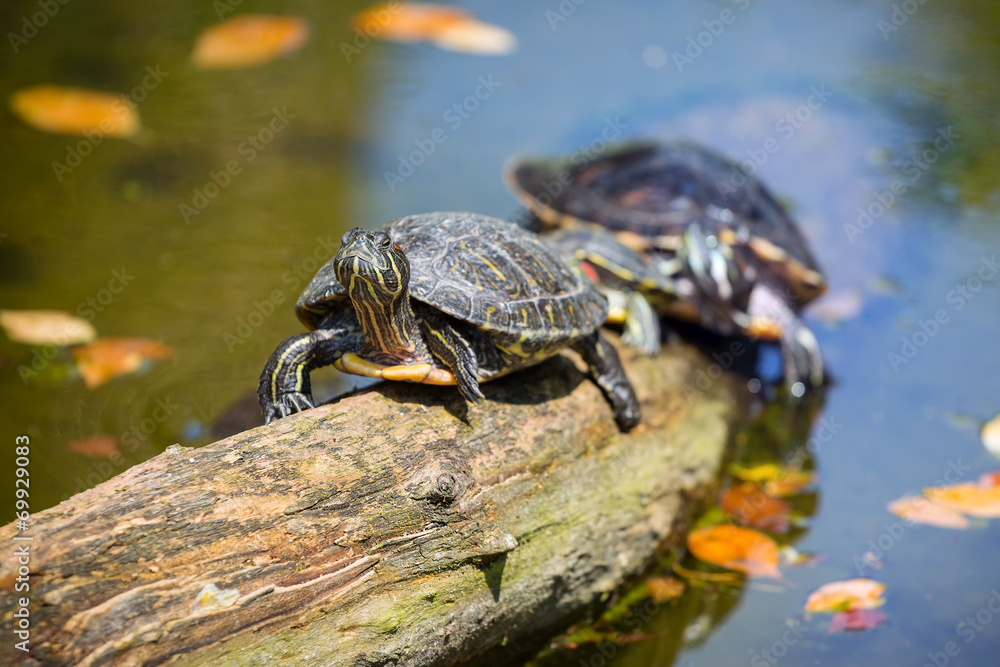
(969, 498)
(847, 595)
(792, 556)
(96, 446)
(989, 480)
(991, 436)
(858, 619)
(445, 26)
(736, 548)
(776, 480)
(76, 111)
(748, 504)
(46, 327)
(662, 589)
(251, 39)
(927, 512)
(838, 306)
(110, 357)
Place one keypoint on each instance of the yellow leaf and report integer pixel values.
(46, 327)
(928, 512)
(969, 498)
(110, 357)
(777, 481)
(736, 548)
(445, 26)
(75, 111)
(847, 595)
(251, 39)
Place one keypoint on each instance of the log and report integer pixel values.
(396, 526)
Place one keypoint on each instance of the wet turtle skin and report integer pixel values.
(736, 259)
(443, 298)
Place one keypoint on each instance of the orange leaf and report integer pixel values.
(927, 512)
(662, 589)
(75, 111)
(46, 327)
(736, 548)
(988, 480)
(110, 357)
(968, 498)
(96, 446)
(858, 619)
(749, 505)
(251, 39)
(447, 27)
(847, 595)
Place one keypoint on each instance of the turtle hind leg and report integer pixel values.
(454, 351)
(606, 368)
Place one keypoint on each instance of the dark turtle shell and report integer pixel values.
(650, 193)
(484, 271)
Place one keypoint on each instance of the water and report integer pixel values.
(867, 103)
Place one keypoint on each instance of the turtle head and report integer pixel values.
(370, 266)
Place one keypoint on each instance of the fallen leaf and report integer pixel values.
(989, 480)
(836, 307)
(792, 556)
(858, 619)
(969, 498)
(927, 512)
(251, 39)
(847, 595)
(110, 357)
(748, 504)
(991, 436)
(76, 111)
(96, 446)
(662, 589)
(445, 26)
(46, 327)
(736, 548)
(776, 480)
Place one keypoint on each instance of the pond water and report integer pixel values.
(874, 121)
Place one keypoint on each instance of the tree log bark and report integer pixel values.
(394, 527)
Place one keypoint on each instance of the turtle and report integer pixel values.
(737, 261)
(443, 298)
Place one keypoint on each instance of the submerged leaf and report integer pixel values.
(736, 548)
(847, 595)
(96, 446)
(76, 111)
(46, 327)
(662, 589)
(858, 619)
(921, 510)
(777, 481)
(445, 26)
(748, 504)
(251, 39)
(110, 357)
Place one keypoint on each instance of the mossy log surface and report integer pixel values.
(394, 527)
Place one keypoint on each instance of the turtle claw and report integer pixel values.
(284, 405)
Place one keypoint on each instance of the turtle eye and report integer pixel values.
(385, 242)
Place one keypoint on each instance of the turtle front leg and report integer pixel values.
(799, 348)
(454, 351)
(284, 387)
(606, 369)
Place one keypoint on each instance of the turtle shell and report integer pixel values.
(650, 192)
(484, 271)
